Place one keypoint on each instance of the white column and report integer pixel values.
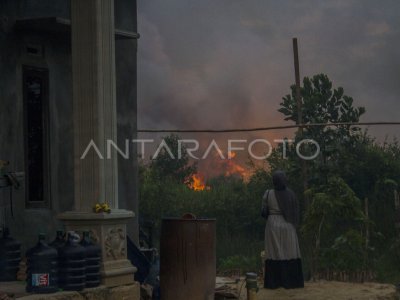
(93, 71)
(94, 101)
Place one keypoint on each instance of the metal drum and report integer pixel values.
(187, 259)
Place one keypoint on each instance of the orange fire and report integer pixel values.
(198, 183)
(225, 164)
(221, 164)
(232, 168)
(231, 154)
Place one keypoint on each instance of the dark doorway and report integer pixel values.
(35, 93)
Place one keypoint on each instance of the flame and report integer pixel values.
(231, 154)
(229, 166)
(198, 183)
(232, 168)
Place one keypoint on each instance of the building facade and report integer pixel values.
(36, 113)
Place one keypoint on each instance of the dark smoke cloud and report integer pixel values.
(227, 63)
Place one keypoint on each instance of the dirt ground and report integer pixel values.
(330, 290)
(320, 290)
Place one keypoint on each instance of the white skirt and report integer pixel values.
(281, 241)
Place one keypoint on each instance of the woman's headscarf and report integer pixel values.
(286, 198)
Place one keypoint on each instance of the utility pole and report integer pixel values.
(299, 112)
(297, 77)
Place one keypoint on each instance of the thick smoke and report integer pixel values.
(227, 63)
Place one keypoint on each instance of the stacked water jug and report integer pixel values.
(67, 264)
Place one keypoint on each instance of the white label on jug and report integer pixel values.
(40, 279)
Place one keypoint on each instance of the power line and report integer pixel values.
(265, 128)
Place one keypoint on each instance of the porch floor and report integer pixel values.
(16, 289)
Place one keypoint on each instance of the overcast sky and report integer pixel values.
(227, 63)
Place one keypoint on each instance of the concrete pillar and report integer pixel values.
(94, 99)
(94, 104)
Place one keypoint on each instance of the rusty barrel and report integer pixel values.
(187, 259)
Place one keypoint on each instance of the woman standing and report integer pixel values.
(283, 260)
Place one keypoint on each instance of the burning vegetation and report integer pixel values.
(226, 167)
(231, 168)
(197, 183)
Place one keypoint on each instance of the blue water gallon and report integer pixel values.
(59, 241)
(72, 264)
(10, 256)
(93, 260)
(42, 271)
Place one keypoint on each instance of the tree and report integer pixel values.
(352, 168)
(333, 205)
(176, 166)
(322, 104)
(334, 208)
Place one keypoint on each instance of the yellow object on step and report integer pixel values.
(106, 208)
(101, 207)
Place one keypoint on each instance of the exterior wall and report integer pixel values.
(125, 53)
(27, 223)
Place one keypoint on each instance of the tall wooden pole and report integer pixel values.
(367, 234)
(299, 112)
(297, 77)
